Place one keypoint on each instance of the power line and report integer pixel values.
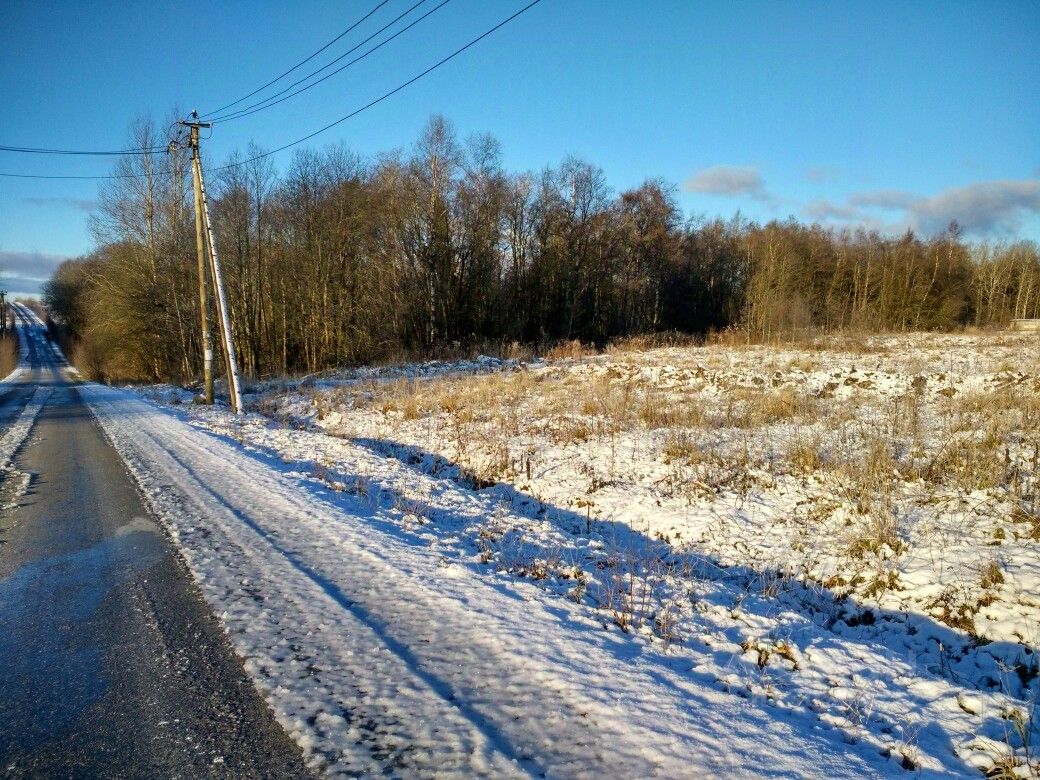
(268, 102)
(108, 176)
(320, 130)
(301, 62)
(118, 152)
(394, 91)
(259, 105)
(153, 149)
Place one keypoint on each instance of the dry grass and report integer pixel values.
(569, 349)
(804, 456)
(658, 410)
(571, 408)
(8, 354)
(754, 408)
(653, 341)
(877, 435)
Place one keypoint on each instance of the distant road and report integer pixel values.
(111, 664)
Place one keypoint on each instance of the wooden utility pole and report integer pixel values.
(200, 249)
(227, 333)
(205, 241)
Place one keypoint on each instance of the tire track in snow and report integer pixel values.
(19, 430)
(15, 482)
(497, 714)
(393, 720)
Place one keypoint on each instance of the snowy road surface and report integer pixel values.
(111, 664)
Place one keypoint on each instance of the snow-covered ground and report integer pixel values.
(751, 561)
(15, 483)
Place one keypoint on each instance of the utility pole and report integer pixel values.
(200, 249)
(204, 240)
(227, 333)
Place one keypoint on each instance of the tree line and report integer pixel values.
(346, 260)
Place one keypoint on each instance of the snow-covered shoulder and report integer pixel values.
(720, 560)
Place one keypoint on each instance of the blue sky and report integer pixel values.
(884, 114)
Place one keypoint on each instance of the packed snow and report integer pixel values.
(15, 482)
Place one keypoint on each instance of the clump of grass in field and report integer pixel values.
(659, 410)
(681, 446)
(804, 456)
(565, 430)
(992, 575)
(868, 485)
(755, 407)
(569, 349)
(8, 354)
(1029, 518)
(970, 463)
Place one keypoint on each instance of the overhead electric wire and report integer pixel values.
(270, 99)
(392, 92)
(38, 150)
(320, 130)
(153, 149)
(96, 176)
(247, 112)
(301, 62)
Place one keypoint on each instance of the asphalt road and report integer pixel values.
(111, 664)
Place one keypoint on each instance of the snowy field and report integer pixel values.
(748, 560)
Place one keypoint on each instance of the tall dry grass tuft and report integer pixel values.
(8, 354)
(569, 349)
(869, 486)
(658, 410)
(755, 407)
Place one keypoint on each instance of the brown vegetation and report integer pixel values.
(8, 354)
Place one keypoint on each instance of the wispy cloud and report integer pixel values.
(730, 181)
(883, 199)
(76, 203)
(822, 173)
(824, 210)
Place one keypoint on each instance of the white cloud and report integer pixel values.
(23, 273)
(982, 209)
(728, 180)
